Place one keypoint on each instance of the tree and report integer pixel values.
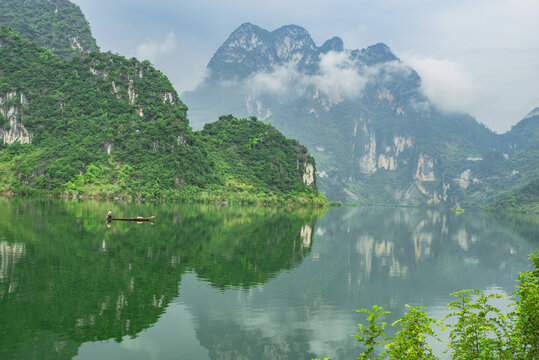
(369, 335)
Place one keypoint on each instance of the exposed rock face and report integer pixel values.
(308, 175)
(13, 129)
(387, 163)
(167, 96)
(464, 179)
(131, 92)
(401, 143)
(108, 147)
(425, 168)
(251, 48)
(125, 86)
(75, 44)
(367, 162)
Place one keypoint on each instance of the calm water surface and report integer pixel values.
(234, 282)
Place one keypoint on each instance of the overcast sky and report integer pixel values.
(477, 56)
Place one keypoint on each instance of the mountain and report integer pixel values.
(250, 49)
(375, 136)
(103, 125)
(58, 25)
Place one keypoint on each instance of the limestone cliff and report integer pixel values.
(13, 130)
(425, 168)
(308, 175)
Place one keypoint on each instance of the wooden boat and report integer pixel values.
(139, 218)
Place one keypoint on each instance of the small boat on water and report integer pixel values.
(138, 218)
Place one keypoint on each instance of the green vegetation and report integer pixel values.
(369, 335)
(252, 156)
(104, 126)
(58, 25)
(478, 330)
(523, 200)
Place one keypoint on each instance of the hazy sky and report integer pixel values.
(478, 56)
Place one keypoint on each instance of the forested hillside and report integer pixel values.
(58, 25)
(103, 125)
(523, 200)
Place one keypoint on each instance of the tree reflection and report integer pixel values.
(67, 278)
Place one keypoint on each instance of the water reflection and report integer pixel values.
(233, 283)
(360, 257)
(67, 278)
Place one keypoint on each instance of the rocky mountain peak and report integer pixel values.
(250, 48)
(533, 113)
(376, 54)
(245, 31)
(333, 44)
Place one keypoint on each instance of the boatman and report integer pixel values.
(109, 215)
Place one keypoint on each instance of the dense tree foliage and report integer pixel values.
(103, 125)
(58, 25)
(253, 155)
(523, 200)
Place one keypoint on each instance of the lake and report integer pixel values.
(208, 282)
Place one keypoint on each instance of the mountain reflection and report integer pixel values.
(66, 278)
(236, 282)
(359, 257)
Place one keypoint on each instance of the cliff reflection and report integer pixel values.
(397, 242)
(360, 257)
(66, 278)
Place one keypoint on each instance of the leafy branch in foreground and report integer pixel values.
(481, 330)
(410, 341)
(526, 332)
(369, 335)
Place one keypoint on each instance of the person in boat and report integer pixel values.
(109, 215)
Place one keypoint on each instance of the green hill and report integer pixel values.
(103, 125)
(523, 200)
(58, 25)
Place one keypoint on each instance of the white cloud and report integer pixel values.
(279, 81)
(338, 78)
(446, 83)
(152, 49)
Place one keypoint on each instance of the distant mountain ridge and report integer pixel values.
(374, 134)
(250, 49)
